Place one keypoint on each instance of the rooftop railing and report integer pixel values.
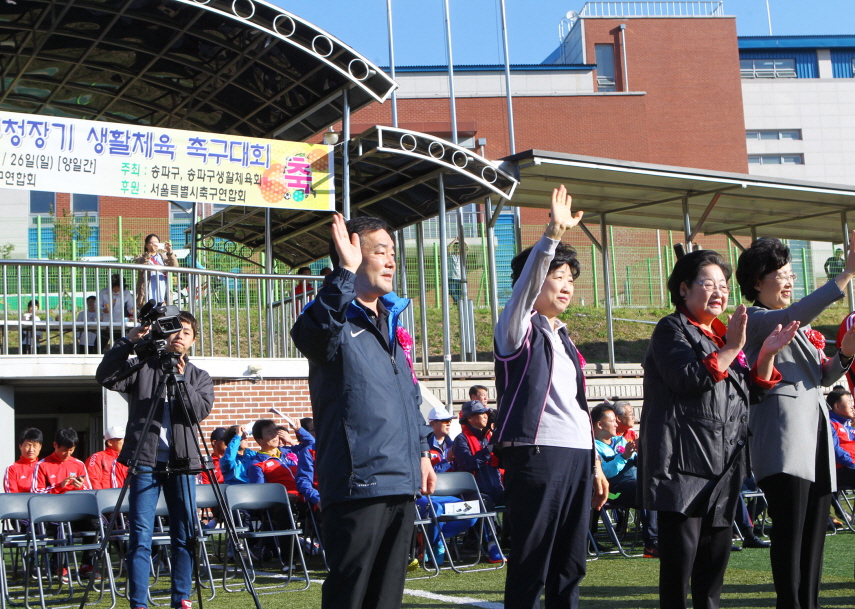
(239, 315)
(652, 9)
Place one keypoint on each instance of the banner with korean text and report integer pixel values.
(111, 159)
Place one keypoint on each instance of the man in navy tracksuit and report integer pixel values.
(372, 455)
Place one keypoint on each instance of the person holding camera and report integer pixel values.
(154, 284)
(166, 458)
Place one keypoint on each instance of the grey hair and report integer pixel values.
(619, 406)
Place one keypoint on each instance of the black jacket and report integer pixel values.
(369, 430)
(140, 387)
(692, 455)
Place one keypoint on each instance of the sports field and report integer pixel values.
(612, 582)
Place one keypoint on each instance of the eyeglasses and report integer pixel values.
(710, 286)
(786, 278)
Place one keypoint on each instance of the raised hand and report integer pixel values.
(561, 214)
(736, 325)
(847, 345)
(347, 246)
(779, 338)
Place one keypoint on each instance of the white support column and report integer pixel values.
(8, 450)
(115, 409)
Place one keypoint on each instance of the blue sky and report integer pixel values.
(532, 25)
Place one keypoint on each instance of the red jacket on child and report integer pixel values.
(19, 476)
(51, 472)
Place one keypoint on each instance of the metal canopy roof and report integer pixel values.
(242, 67)
(650, 196)
(394, 174)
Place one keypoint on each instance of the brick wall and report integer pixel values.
(242, 402)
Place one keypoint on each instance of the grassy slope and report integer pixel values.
(587, 327)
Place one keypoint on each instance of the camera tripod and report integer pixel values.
(172, 387)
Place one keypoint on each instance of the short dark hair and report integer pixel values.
(308, 423)
(766, 255)
(834, 396)
(231, 432)
(88, 298)
(304, 270)
(66, 437)
(190, 319)
(115, 280)
(148, 238)
(259, 426)
(474, 389)
(29, 304)
(361, 226)
(598, 412)
(689, 266)
(31, 434)
(564, 254)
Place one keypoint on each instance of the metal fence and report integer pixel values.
(239, 315)
(652, 9)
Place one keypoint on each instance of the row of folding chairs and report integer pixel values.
(38, 526)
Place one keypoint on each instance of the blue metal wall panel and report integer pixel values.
(841, 63)
(505, 252)
(806, 64)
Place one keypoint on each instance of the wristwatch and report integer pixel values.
(425, 454)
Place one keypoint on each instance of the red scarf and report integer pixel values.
(474, 441)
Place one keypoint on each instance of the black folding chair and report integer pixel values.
(63, 509)
(428, 554)
(13, 510)
(463, 485)
(265, 497)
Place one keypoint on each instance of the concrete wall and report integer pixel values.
(15, 211)
(492, 83)
(824, 109)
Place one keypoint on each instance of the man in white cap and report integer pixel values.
(439, 440)
(100, 464)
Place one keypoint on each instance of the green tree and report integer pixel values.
(70, 233)
(6, 250)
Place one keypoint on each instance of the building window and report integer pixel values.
(84, 204)
(180, 211)
(772, 134)
(605, 67)
(767, 68)
(42, 203)
(776, 159)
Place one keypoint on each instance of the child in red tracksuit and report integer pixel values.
(60, 472)
(19, 475)
(100, 465)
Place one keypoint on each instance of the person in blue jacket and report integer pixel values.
(273, 441)
(473, 452)
(372, 454)
(234, 460)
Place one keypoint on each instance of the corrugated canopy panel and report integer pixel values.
(394, 176)
(242, 67)
(650, 196)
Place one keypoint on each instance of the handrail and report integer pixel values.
(698, 8)
(147, 267)
(247, 315)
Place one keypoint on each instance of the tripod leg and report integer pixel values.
(183, 399)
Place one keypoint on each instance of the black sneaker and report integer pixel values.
(755, 542)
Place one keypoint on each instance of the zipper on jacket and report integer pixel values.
(394, 364)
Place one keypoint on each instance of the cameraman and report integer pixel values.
(169, 438)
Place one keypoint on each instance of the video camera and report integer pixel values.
(164, 321)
